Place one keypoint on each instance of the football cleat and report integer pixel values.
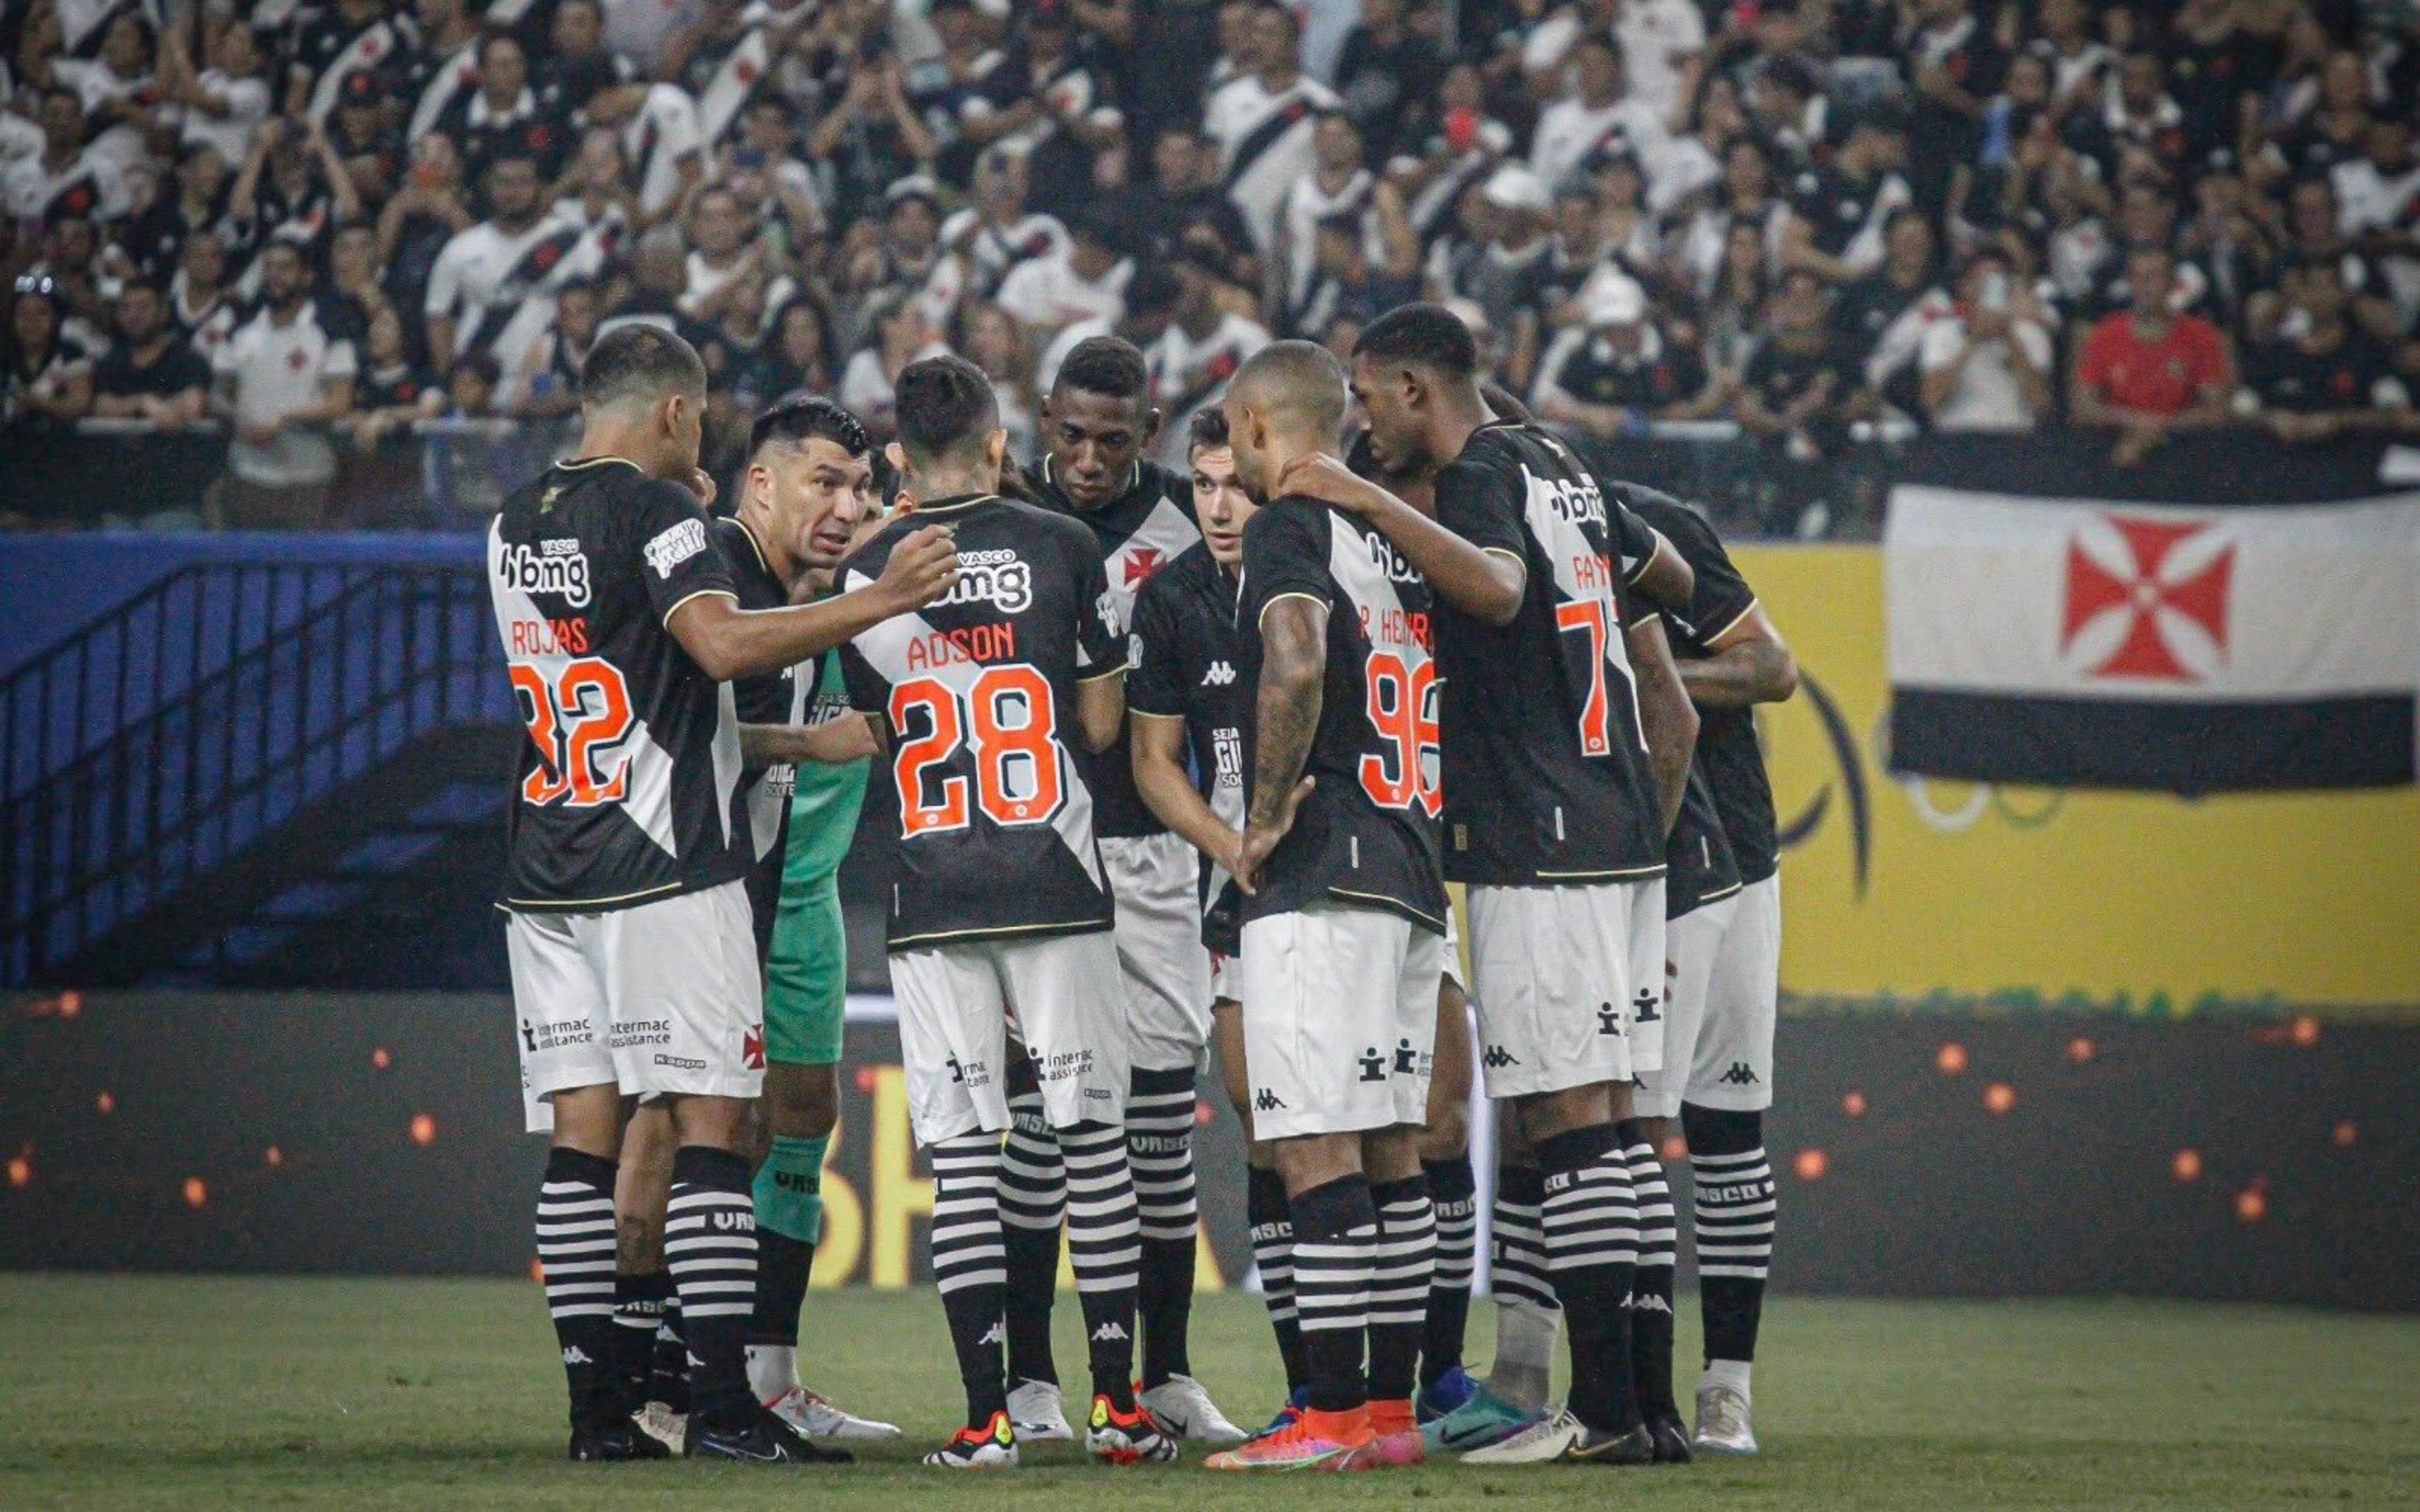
(1722, 1422)
(1394, 1437)
(1132, 1437)
(1314, 1440)
(1484, 1419)
(1035, 1412)
(614, 1440)
(1185, 1409)
(1445, 1394)
(1671, 1438)
(1562, 1435)
(658, 1421)
(812, 1413)
(992, 1446)
(765, 1439)
(1290, 1412)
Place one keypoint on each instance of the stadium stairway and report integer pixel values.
(260, 774)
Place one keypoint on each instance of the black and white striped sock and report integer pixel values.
(1452, 1191)
(970, 1265)
(1736, 1208)
(1528, 1316)
(1272, 1225)
(575, 1252)
(1650, 1286)
(1335, 1258)
(1159, 1149)
(638, 1313)
(710, 1243)
(1104, 1249)
(1033, 1204)
(1399, 1284)
(1590, 1220)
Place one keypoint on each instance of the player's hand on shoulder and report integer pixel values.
(922, 567)
(1328, 480)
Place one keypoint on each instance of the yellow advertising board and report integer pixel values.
(2147, 902)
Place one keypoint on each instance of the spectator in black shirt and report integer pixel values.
(1792, 397)
(1881, 316)
(502, 116)
(1183, 193)
(1386, 77)
(1344, 285)
(579, 65)
(1956, 67)
(2321, 375)
(148, 373)
(1617, 375)
(871, 138)
(370, 149)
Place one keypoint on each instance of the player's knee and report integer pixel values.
(1721, 1131)
(1448, 1132)
(801, 1101)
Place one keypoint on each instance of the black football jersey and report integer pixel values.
(1698, 866)
(994, 788)
(1366, 836)
(1186, 663)
(629, 788)
(1138, 531)
(771, 698)
(1547, 776)
(1728, 755)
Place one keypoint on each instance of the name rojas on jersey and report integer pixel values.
(596, 676)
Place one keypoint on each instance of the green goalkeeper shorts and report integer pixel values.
(806, 975)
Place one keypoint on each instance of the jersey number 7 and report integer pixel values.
(1006, 719)
(583, 714)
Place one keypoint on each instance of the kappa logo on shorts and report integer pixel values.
(1219, 675)
(1609, 1018)
(1496, 1057)
(679, 1062)
(1373, 1065)
(1643, 1007)
(1266, 1100)
(1741, 1075)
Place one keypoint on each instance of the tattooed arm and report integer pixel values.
(1294, 659)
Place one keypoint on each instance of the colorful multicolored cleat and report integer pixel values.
(1128, 1437)
(992, 1446)
(1314, 1440)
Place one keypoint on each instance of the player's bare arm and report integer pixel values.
(1294, 658)
(1486, 585)
(1101, 709)
(1664, 578)
(1156, 744)
(832, 743)
(1749, 664)
(727, 642)
(1666, 717)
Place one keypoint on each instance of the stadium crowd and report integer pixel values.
(1820, 222)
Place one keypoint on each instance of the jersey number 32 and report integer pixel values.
(579, 718)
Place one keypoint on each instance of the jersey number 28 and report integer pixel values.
(584, 713)
(1006, 720)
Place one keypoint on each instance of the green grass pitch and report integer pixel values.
(152, 1391)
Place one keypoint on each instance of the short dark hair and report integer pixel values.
(1208, 429)
(481, 365)
(1110, 366)
(944, 404)
(1430, 335)
(638, 361)
(1299, 384)
(801, 417)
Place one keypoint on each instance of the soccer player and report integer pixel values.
(1001, 914)
(1717, 1073)
(1566, 738)
(1184, 693)
(1098, 428)
(1344, 913)
(628, 931)
(806, 490)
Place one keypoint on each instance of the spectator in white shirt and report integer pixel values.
(66, 178)
(280, 376)
(1596, 112)
(1988, 366)
(1663, 48)
(1084, 281)
(1264, 117)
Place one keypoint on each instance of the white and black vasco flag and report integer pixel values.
(2055, 620)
